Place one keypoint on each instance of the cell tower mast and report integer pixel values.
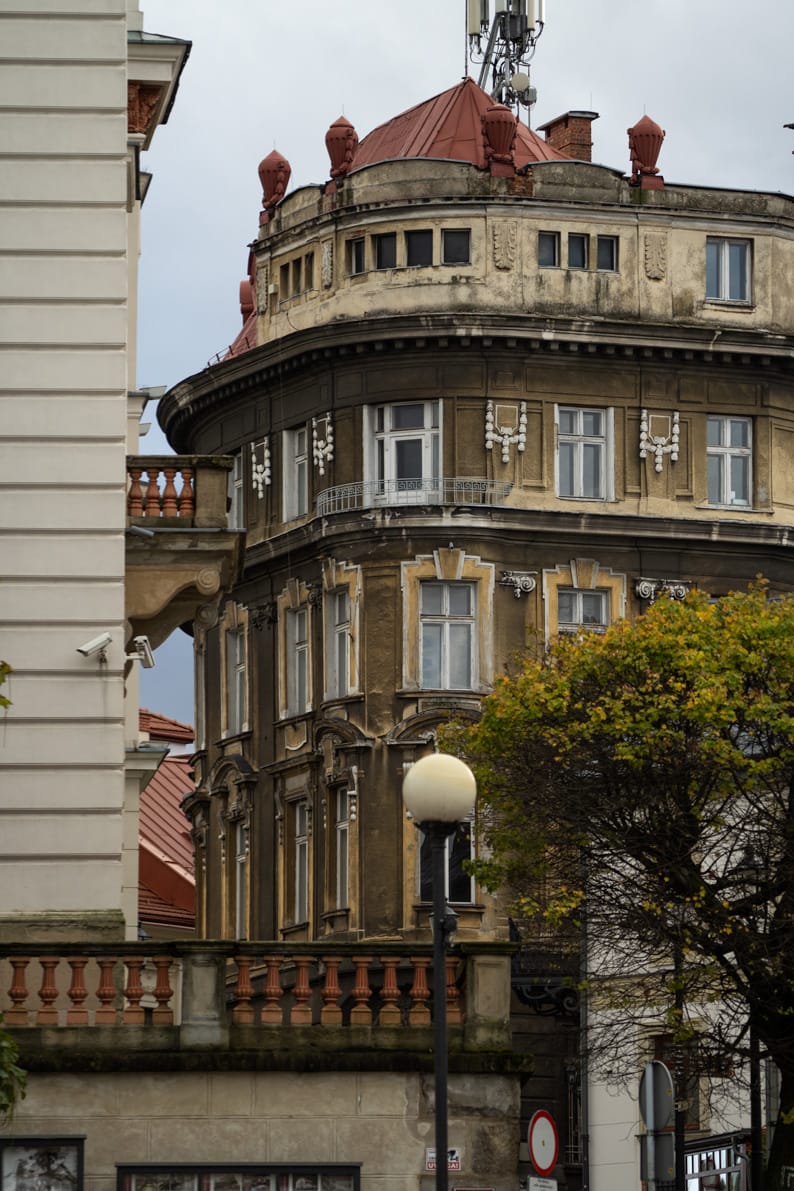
(503, 45)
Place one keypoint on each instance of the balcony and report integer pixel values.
(115, 1002)
(181, 555)
(446, 490)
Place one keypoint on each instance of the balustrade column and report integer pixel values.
(301, 1014)
(390, 993)
(18, 992)
(163, 1014)
(243, 1013)
(106, 992)
(133, 1012)
(48, 993)
(77, 1014)
(272, 1013)
(419, 1013)
(331, 1013)
(361, 1014)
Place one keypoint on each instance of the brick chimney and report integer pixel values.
(571, 134)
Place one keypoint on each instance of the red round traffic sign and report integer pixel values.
(543, 1142)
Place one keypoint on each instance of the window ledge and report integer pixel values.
(730, 304)
(332, 701)
(294, 717)
(751, 509)
(234, 737)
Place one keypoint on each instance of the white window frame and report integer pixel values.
(296, 454)
(424, 875)
(236, 493)
(724, 453)
(300, 908)
(382, 464)
(240, 838)
(356, 256)
(579, 440)
(581, 622)
(337, 643)
(296, 640)
(342, 846)
(585, 241)
(719, 248)
(447, 621)
(236, 703)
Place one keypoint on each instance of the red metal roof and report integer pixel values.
(166, 873)
(161, 727)
(448, 126)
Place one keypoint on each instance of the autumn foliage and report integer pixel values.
(642, 781)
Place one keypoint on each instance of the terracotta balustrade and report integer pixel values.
(185, 490)
(209, 990)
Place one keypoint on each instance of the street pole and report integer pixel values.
(438, 835)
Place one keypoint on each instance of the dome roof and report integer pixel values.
(448, 126)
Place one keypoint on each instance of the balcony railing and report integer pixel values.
(178, 490)
(445, 490)
(209, 992)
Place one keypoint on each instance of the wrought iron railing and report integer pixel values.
(443, 490)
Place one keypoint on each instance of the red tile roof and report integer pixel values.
(161, 727)
(448, 126)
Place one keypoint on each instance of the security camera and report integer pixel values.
(95, 645)
(144, 651)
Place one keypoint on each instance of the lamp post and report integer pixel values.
(439, 791)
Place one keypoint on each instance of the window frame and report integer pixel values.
(583, 239)
(235, 518)
(235, 714)
(338, 644)
(341, 799)
(449, 232)
(725, 453)
(356, 254)
(579, 624)
(379, 242)
(297, 660)
(722, 265)
(295, 468)
(383, 463)
(464, 833)
(447, 621)
(412, 241)
(553, 240)
(614, 243)
(301, 861)
(579, 440)
(239, 836)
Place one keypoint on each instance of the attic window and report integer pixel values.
(456, 246)
(385, 250)
(355, 255)
(419, 248)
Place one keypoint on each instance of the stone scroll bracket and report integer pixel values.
(522, 582)
(651, 589)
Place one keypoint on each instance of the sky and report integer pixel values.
(264, 74)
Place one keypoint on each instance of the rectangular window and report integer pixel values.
(240, 880)
(607, 254)
(407, 452)
(419, 248)
(338, 644)
(729, 459)
(385, 250)
(297, 661)
(548, 250)
(235, 682)
(582, 452)
(301, 906)
(342, 846)
(355, 255)
(448, 638)
(297, 275)
(577, 250)
(459, 885)
(578, 610)
(283, 287)
(236, 494)
(308, 271)
(456, 246)
(728, 270)
(296, 473)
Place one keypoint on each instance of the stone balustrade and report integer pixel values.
(211, 994)
(178, 490)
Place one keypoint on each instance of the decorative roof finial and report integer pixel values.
(645, 144)
(274, 174)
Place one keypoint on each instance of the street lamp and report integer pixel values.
(439, 791)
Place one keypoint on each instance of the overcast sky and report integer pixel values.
(264, 74)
